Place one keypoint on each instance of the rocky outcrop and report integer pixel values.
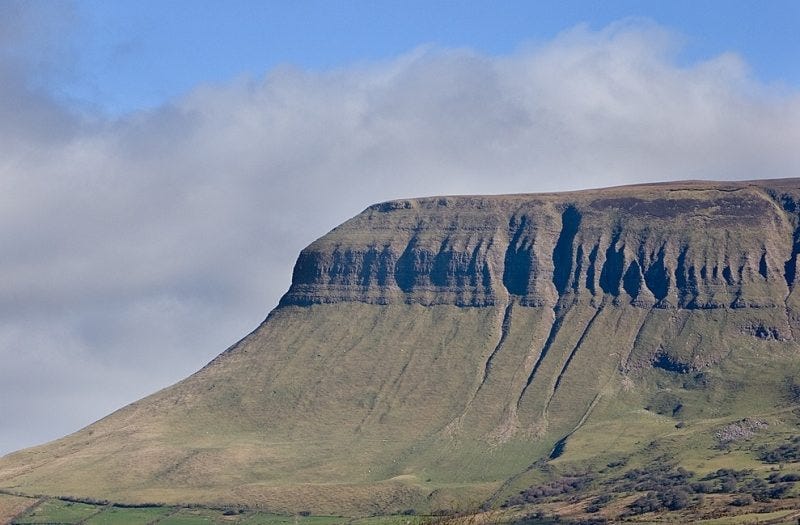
(679, 245)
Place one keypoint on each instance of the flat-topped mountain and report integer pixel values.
(688, 245)
(451, 351)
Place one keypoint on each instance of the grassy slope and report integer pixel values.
(66, 512)
(354, 408)
(378, 434)
(236, 423)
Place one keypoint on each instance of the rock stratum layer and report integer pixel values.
(687, 246)
(443, 349)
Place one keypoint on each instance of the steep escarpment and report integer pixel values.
(693, 246)
(443, 349)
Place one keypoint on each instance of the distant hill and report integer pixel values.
(452, 352)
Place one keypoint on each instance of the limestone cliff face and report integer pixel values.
(679, 245)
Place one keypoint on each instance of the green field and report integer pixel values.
(64, 512)
(57, 511)
(124, 516)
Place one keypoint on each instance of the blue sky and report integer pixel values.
(131, 55)
(162, 163)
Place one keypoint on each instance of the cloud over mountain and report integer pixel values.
(136, 248)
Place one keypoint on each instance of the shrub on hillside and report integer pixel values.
(761, 491)
(726, 480)
(647, 503)
(738, 475)
(785, 453)
(566, 485)
(655, 477)
(742, 501)
(780, 490)
(665, 403)
(598, 503)
(776, 477)
(669, 499)
(675, 499)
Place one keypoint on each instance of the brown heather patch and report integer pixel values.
(12, 506)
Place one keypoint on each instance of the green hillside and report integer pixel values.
(515, 352)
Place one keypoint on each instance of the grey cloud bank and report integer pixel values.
(136, 249)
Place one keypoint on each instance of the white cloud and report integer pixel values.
(136, 249)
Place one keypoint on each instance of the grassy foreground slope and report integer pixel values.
(446, 353)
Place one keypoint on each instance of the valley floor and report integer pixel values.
(23, 510)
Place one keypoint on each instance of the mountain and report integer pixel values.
(448, 352)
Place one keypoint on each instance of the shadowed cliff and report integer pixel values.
(689, 245)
